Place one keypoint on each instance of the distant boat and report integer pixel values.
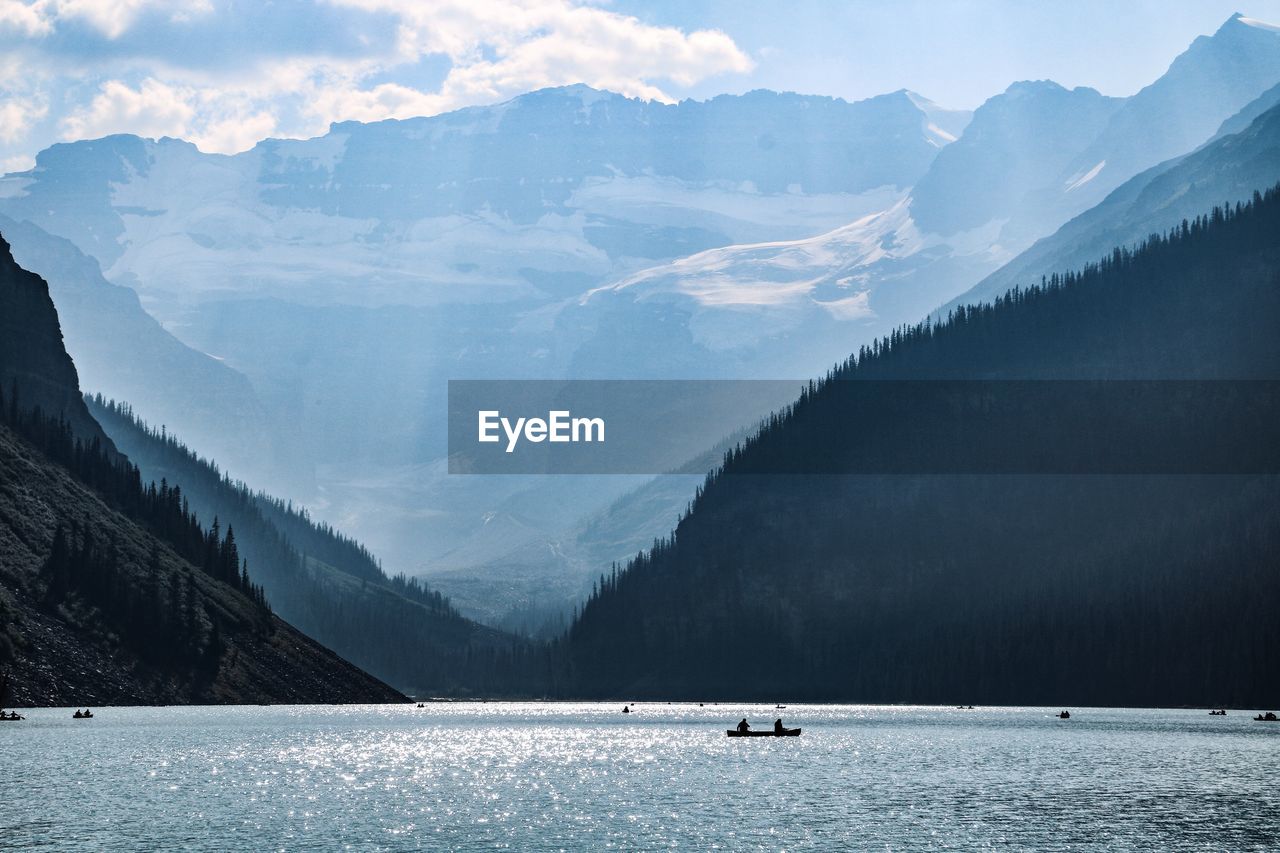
(1219, 713)
(1065, 715)
(763, 733)
(1269, 717)
(10, 718)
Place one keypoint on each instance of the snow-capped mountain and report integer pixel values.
(1231, 168)
(790, 307)
(573, 232)
(1030, 159)
(1213, 79)
(540, 196)
(399, 254)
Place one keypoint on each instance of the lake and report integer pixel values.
(550, 776)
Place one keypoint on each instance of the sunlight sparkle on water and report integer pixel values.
(535, 776)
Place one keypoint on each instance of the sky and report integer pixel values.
(227, 73)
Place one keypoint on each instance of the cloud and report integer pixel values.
(235, 133)
(154, 109)
(17, 115)
(109, 17)
(224, 75)
(499, 48)
(24, 18)
(216, 121)
(17, 163)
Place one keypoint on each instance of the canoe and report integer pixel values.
(764, 733)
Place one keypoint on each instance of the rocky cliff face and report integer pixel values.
(97, 604)
(35, 369)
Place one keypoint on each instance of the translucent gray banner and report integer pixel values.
(865, 427)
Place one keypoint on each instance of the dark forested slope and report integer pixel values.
(330, 586)
(96, 609)
(1046, 589)
(112, 591)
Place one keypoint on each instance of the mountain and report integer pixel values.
(110, 592)
(1213, 79)
(349, 276)
(1231, 168)
(35, 370)
(575, 233)
(154, 628)
(1018, 141)
(329, 585)
(121, 351)
(525, 198)
(1109, 589)
(784, 308)
(1032, 158)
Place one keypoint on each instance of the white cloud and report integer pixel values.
(17, 115)
(222, 122)
(235, 133)
(25, 18)
(496, 49)
(110, 17)
(17, 163)
(500, 48)
(153, 109)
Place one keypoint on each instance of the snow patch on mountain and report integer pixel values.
(1078, 180)
(1262, 25)
(744, 292)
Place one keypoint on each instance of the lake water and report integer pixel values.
(538, 776)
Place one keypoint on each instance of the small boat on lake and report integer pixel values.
(1065, 715)
(1269, 717)
(763, 733)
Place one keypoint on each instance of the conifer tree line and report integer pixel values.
(331, 587)
(285, 533)
(162, 510)
(1143, 590)
(164, 623)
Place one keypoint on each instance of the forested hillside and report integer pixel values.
(329, 585)
(114, 593)
(1105, 589)
(113, 590)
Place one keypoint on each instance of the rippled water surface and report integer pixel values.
(531, 776)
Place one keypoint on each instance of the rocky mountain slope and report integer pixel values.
(112, 593)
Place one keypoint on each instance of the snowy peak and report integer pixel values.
(1205, 85)
(1254, 22)
(943, 125)
(1240, 20)
(1017, 142)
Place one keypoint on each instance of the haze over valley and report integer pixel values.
(293, 312)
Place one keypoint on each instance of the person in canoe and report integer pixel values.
(778, 728)
(744, 726)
